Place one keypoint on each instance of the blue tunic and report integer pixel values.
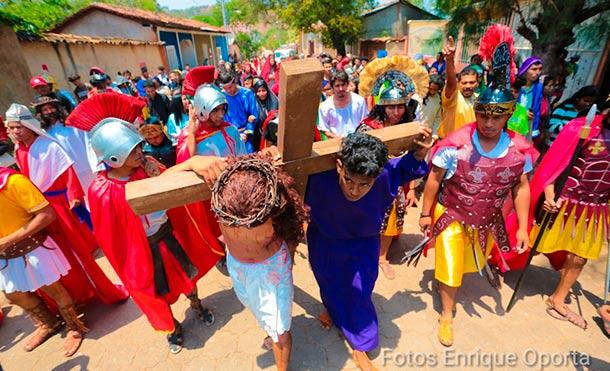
(241, 106)
(343, 242)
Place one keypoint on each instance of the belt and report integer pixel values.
(24, 246)
(165, 234)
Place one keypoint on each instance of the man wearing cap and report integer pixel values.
(46, 164)
(533, 91)
(45, 88)
(158, 145)
(75, 142)
(475, 169)
(81, 91)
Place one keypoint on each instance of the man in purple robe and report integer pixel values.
(347, 209)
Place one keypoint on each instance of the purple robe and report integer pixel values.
(343, 243)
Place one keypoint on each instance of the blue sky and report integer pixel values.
(182, 4)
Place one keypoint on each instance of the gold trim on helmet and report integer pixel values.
(495, 109)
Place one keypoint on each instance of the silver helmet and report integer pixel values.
(207, 98)
(113, 139)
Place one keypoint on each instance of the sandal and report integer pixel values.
(387, 270)
(175, 340)
(570, 316)
(445, 331)
(325, 321)
(268, 343)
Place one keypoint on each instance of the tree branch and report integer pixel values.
(523, 29)
(592, 11)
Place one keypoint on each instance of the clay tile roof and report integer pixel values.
(78, 39)
(144, 16)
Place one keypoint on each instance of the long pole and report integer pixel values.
(584, 134)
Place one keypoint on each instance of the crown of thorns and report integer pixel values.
(259, 214)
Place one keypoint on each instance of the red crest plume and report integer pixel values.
(196, 77)
(93, 110)
(494, 36)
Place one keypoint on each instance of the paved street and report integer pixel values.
(527, 338)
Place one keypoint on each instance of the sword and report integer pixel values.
(584, 134)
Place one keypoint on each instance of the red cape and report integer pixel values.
(121, 236)
(463, 136)
(200, 210)
(551, 167)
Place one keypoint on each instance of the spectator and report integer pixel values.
(432, 111)
(242, 112)
(266, 102)
(157, 143)
(440, 63)
(140, 84)
(158, 104)
(45, 88)
(248, 82)
(179, 118)
(577, 105)
(162, 76)
(80, 89)
(341, 114)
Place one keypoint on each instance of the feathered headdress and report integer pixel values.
(496, 46)
(197, 77)
(383, 74)
(101, 106)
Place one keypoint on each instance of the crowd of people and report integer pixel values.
(485, 191)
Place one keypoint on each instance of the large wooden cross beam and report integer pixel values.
(300, 89)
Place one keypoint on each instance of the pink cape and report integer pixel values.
(121, 236)
(463, 136)
(551, 167)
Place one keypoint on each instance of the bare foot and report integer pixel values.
(387, 270)
(73, 342)
(362, 361)
(325, 321)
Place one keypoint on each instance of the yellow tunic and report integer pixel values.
(457, 112)
(453, 251)
(582, 237)
(18, 201)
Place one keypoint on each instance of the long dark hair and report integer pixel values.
(177, 108)
(585, 91)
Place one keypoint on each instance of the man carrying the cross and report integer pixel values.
(348, 205)
(474, 170)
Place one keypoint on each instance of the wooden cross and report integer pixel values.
(300, 89)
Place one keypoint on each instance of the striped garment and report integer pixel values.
(559, 118)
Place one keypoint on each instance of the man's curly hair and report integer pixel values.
(251, 190)
(363, 154)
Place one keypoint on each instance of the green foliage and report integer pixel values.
(276, 37)
(338, 21)
(248, 45)
(36, 16)
(237, 11)
(550, 26)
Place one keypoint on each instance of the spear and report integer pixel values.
(546, 219)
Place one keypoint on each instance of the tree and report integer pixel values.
(550, 26)
(36, 16)
(237, 11)
(248, 45)
(338, 21)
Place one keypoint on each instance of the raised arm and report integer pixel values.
(449, 52)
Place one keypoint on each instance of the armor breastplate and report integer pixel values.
(474, 195)
(589, 179)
